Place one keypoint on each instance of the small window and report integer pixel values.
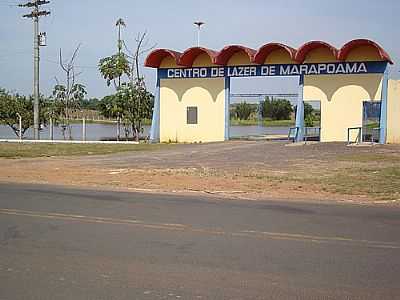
(192, 115)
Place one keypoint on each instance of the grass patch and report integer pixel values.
(377, 183)
(15, 150)
(370, 157)
(146, 122)
(266, 123)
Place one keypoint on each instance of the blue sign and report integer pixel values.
(371, 67)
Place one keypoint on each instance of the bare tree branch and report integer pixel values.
(61, 62)
(74, 55)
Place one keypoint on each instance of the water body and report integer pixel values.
(97, 132)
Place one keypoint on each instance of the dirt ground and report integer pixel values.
(242, 169)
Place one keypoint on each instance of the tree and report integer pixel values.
(91, 104)
(309, 121)
(136, 103)
(110, 106)
(243, 111)
(132, 102)
(113, 68)
(68, 96)
(309, 117)
(279, 109)
(12, 105)
(140, 49)
(308, 110)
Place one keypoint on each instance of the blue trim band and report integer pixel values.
(334, 68)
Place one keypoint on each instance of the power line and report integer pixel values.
(75, 66)
(38, 41)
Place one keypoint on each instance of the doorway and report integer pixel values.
(371, 121)
(253, 107)
(312, 120)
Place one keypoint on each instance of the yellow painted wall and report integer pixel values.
(341, 99)
(279, 56)
(364, 53)
(240, 58)
(169, 62)
(320, 55)
(177, 94)
(203, 60)
(393, 115)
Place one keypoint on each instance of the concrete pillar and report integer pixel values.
(300, 111)
(155, 123)
(227, 105)
(384, 105)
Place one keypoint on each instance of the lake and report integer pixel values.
(97, 132)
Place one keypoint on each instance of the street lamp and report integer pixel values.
(198, 24)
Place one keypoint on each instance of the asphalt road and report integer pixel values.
(58, 243)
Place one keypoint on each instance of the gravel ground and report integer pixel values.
(248, 169)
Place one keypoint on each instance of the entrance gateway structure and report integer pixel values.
(193, 88)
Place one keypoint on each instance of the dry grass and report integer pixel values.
(15, 150)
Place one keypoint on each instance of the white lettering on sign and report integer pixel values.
(217, 72)
(362, 68)
(330, 69)
(170, 73)
(351, 68)
(295, 70)
(275, 70)
(285, 70)
(268, 70)
(340, 70)
(321, 69)
(312, 70)
(245, 71)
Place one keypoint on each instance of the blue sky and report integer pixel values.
(169, 25)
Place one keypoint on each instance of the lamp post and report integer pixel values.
(198, 24)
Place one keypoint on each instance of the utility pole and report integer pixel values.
(37, 42)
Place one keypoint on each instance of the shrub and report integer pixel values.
(279, 109)
(243, 111)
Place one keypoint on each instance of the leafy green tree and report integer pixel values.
(12, 105)
(67, 96)
(309, 121)
(308, 110)
(114, 67)
(132, 103)
(136, 103)
(91, 104)
(276, 109)
(243, 111)
(309, 117)
(66, 101)
(111, 106)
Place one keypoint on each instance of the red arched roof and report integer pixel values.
(189, 56)
(267, 49)
(225, 54)
(307, 47)
(155, 58)
(347, 48)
